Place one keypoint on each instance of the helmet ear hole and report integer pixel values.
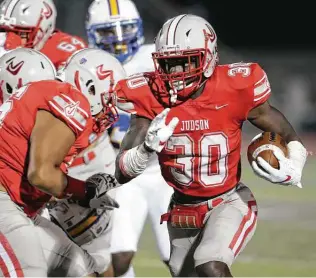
(91, 90)
(9, 88)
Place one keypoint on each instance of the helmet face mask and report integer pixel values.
(102, 105)
(108, 114)
(120, 34)
(180, 71)
(26, 34)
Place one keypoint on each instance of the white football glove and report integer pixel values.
(290, 169)
(158, 132)
(97, 187)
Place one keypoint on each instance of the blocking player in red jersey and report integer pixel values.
(60, 46)
(43, 125)
(212, 215)
(31, 23)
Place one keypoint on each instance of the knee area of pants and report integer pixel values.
(77, 262)
(121, 262)
(213, 269)
(213, 253)
(175, 268)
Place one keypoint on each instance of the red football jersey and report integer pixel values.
(60, 46)
(17, 118)
(202, 158)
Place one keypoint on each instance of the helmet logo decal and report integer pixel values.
(82, 61)
(48, 13)
(211, 35)
(14, 69)
(102, 74)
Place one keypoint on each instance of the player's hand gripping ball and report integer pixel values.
(263, 146)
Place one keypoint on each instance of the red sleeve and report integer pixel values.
(257, 89)
(134, 96)
(261, 88)
(73, 109)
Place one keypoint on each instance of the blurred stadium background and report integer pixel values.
(283, 42)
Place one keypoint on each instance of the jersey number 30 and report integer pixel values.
(205, 162)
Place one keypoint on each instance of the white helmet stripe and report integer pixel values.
(172, 29)
(10, 8)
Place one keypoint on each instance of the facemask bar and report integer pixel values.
(121, 38)
(180, 71)
(109, 114)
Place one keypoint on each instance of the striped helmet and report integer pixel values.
(186, 54)
(115, 26)
(21, 66)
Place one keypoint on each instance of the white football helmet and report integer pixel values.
(186, 54)
(35, 19)
(95, 72)
(20, 66)
(115, 26)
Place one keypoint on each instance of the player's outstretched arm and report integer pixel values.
(134, 137)
(50, 141)
(268, 118)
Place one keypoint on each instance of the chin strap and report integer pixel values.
(174, 92)
(173, 96)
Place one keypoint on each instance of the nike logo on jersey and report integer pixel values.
(71, 109)
(14, 69)
(192, 125)
(217, 107)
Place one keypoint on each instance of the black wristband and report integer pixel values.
(148, 149)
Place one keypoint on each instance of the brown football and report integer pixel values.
(263, 145)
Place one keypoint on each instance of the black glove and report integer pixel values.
(96, 188)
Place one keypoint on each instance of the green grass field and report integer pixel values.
(284, 243)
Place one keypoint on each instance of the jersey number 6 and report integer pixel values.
(70, 47)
